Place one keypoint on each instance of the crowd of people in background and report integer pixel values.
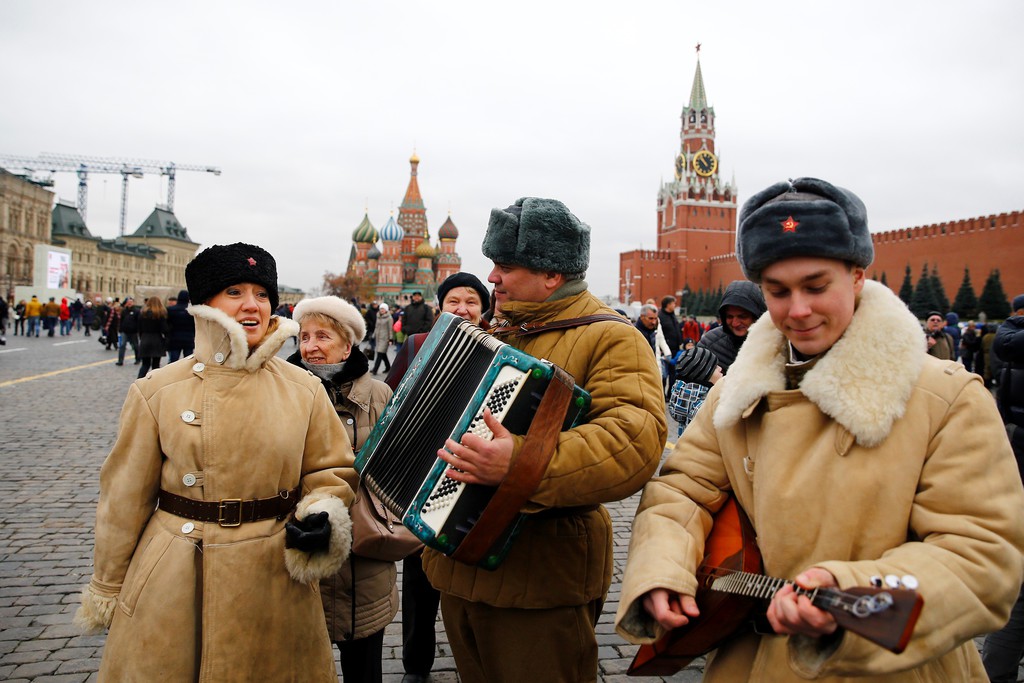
(152, 330)
(670, 331)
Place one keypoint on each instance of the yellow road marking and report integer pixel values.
(55, 372)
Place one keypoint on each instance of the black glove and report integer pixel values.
(310, 535)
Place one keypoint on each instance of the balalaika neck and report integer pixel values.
(829, 599)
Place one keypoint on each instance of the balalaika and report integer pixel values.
(459, 371)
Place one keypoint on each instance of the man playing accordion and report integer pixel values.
(533, 617)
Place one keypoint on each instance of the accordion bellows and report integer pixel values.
(459, 371)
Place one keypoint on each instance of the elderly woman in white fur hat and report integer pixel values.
(362, 598)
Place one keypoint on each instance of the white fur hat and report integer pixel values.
(347, 315)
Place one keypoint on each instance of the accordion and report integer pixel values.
(459, 371)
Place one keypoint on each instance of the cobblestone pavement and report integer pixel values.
(61, 398)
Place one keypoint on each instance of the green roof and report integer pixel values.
(162, 223)
(698, 97)
(119, 246)
(67, 222)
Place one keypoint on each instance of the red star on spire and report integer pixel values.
(252, 261)
(789, 225)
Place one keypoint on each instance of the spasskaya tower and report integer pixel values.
(696, 213)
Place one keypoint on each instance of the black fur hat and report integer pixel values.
(541, 234)
(802, 217)
(221, 266)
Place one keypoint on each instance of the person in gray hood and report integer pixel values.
(742, 304)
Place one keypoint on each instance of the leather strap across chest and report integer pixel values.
(525, 472)
(536, 328)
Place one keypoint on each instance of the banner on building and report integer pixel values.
(58, 270)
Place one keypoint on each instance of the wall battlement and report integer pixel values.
(967, 226)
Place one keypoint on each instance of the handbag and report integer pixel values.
(369, 352)
(376, 533)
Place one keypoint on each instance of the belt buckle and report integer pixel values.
(235, 507)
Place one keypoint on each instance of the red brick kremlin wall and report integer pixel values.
(981, 244)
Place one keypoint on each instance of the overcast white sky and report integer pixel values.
(313, 109)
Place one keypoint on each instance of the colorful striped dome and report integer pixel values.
(374, 253)
(424, 250)
(365, 232)
(392, 231)
(448, 231)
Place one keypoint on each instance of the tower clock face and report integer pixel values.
(704, 163)
(680, 165)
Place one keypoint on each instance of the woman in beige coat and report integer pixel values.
(198, 572)
(361, 599)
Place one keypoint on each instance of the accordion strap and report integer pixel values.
(525, 473)
(537, 328)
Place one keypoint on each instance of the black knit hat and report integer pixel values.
(696, 365)
(462, 280)
(802, 217)
(221, 266)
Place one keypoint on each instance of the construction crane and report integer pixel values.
(84, 165)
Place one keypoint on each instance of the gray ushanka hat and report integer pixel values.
(802, 217)
(541, 234)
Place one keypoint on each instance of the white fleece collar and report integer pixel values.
(217, 332)
(863, 382)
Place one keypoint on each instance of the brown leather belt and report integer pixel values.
(230, 511)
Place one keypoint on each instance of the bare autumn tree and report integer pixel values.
(349, 287)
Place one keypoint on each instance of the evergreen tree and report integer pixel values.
(939, 292)
(993, 302)
(717, 303)
(966, 302)
(686, 301)
(907, 288)
(698, 303)
(923, 300)
(709, 303)
(884, 280)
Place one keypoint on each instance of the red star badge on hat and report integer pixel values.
(252, 261)
(789, 225)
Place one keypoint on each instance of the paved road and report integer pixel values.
(60, 399)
